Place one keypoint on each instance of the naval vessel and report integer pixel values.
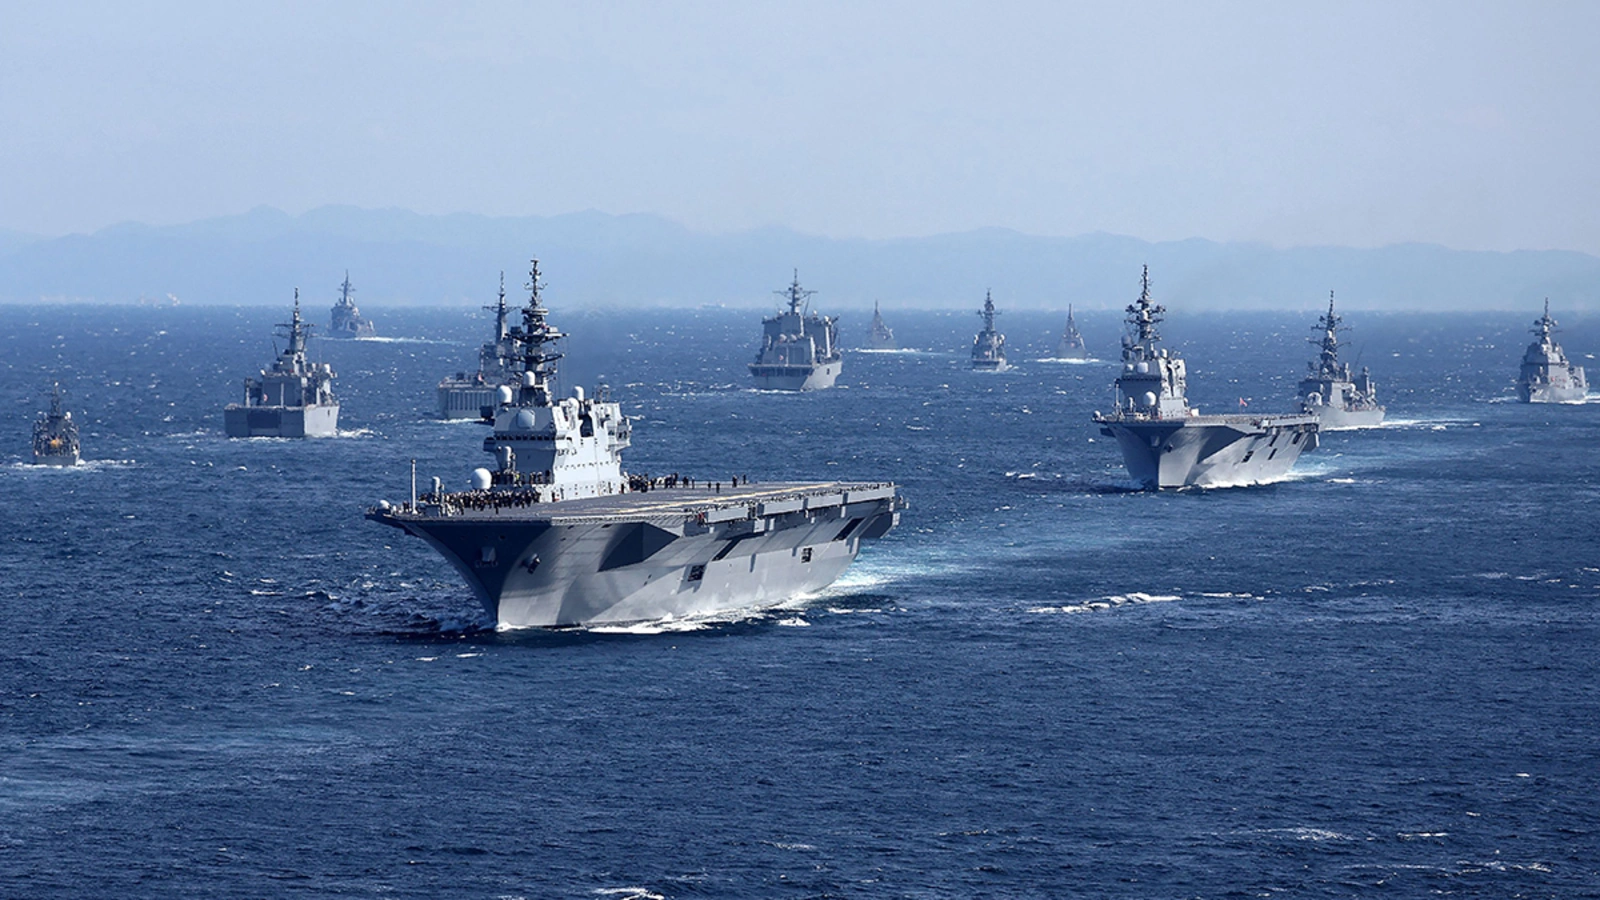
(1339, 400)
(55, 435)
(882, 336)
(799, 349)
(1166, 443)
(1547, 375)
(294, 398)
(464, 396)
(1071, 345)
(989, 347)
(347, 321)
(557, 534)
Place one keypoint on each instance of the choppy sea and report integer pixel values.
(1378, 677)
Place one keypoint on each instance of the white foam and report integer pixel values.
(1111, 602)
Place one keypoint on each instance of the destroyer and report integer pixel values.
(1547, 376)
(882, 337)
(294, 398)
(989, 347)
(557, 534)
(55, 435)
(1071, 345)
(1338, 400)
(799, 350)
(347, 321)
(1166, 443)
(464, 396)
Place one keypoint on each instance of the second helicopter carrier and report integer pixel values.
(557, 534)
(1340, 401)
(1166, 443)
(1547, 375)
(799, 349)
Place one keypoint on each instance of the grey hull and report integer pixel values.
(464, 401)
(280, 421)
(555, 570)
(796, 378)
(1333, 419)
(1212, 451)
(64, 460)
(1552, 393)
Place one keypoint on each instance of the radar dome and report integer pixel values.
(503, 394)
(1149, 397)
(1142, 367)
(525, 419)
(481, 479)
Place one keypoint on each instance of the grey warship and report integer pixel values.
(346, 320)
(1071, 345)
(799, 349)
(55, 435)
(882, 336)
(556, 534)
(464, 396)
(1168, 444)
(1339, 400)
(1547, 375)
(989, 347)
(294, 398)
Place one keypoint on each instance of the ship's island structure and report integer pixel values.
(55, 435)
(557, 534)
(294, 398)
(989, 347)
(881, 336)
(347, 321)
(1071, 345)
(464, 396)
(1547, 375)
(1168, 444)
(1340, 401)
(799, 349)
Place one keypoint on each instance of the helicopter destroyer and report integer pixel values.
(882, 336)
(294, 398)
(464, 396)
(1071, 345)
(799, 350)
(1547, 375)
(558, 535)
(347, 321)
(55, 435)
(1166, 443)
(989, 347)
(1340, 401)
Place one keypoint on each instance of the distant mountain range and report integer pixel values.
(594, 259)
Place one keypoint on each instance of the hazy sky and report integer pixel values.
(1476, 126)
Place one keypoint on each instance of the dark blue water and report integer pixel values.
(1378, 678)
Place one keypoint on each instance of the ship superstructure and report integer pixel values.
(347, 321)
(463, 396)
(989, 347)
(1339, 399)
(557, 534)
(882, 336)
(293, 398)
(1071, 345)
(1166, 443)
(1547, 375)
(55, 435)
(799, 349)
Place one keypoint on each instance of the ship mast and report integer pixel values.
(499, 311)
(535, 334)
(296, 331)
(1546, 325)
(988, 313)
(1144, 315)
(795, 295)
(1329, 326)
(345, 290)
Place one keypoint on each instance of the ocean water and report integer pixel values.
(1379, 677)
